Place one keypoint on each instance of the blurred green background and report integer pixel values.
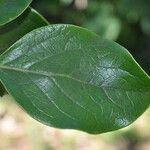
(124, 21)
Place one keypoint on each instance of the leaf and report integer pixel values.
(14, 30)
(11, 9)
(68, 77)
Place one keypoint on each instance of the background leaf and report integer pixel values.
(14, 30)
(11, 9)
(68, 77)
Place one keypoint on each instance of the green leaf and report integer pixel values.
(14, 30)
(68, 77)
(11, 9)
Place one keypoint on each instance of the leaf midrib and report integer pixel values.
(50, 75)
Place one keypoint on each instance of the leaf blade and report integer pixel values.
(71, 79)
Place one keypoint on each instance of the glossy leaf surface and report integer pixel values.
(14, 30)
(11, 9)
(68, 77)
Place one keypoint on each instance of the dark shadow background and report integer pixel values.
(124, 21)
